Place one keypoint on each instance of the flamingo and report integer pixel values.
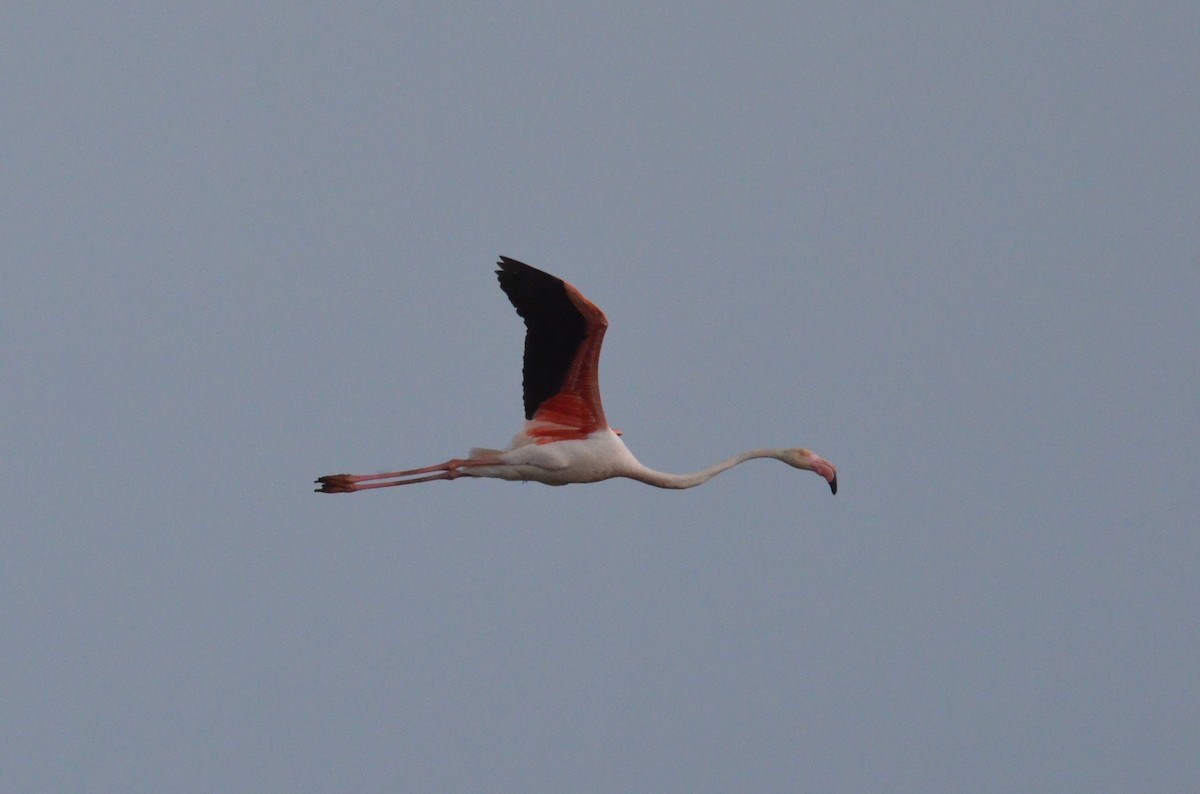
(565, 438)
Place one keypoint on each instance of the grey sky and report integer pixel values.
(954, 248)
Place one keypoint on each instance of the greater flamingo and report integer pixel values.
(565, 438)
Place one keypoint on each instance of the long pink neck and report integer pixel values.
(662, 479)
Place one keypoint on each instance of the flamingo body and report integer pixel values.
(600, 455)
(565, 438)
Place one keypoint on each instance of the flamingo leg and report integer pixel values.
(349, 483)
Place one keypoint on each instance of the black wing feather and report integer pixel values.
(554, 328)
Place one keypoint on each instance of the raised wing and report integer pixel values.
(563, 334)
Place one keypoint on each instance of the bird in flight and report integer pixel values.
(565, 438)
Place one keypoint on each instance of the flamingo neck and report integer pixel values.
(662, 479)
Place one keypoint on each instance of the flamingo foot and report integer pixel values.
(336, 483)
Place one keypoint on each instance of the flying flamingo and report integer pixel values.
(565, 437)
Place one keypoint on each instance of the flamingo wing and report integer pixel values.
(563, 334)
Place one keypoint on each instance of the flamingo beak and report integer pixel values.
(826, 470)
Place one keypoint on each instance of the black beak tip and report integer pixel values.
(833, 485)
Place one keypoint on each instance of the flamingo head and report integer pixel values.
(810, 461)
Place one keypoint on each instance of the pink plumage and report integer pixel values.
(565, 438)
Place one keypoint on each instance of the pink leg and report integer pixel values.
(349, 483)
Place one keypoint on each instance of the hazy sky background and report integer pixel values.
(952, 247)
